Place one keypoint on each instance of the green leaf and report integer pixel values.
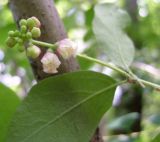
(8, 104)
(65, 108)
(108, 25)
(89, 15)
(124, 123)
(155, 119)
(156, 139)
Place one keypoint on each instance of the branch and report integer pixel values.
(129, 75)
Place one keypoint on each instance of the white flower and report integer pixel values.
(66, 48)
(50, 62)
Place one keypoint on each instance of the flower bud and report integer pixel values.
(66, 48)
(37, 22)
(20, 47)
(19, 40)
(17, 33)
(23, 36)
(29, 35)
(23, 22)
(36, 32)
(50, 62)
(33, 22)
(10, 42)
(23, 29)
(33, 51)
(30, 23)
(11, 33)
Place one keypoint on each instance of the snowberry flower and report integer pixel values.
(33, 51)
(66, 48)
(50, 62)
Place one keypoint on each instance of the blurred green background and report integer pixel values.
(141, 112)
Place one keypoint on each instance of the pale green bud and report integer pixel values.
(33, 51)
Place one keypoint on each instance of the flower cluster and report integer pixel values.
(66, 48)
(29, 30)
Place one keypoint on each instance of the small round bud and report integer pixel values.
(23, 36)
(50, 62)
(23, 22)
(20, 47)
(31, 23)
(17, 33)
(11, 33)
(36, 32)
(37, 22)
(19, 40)
(16, 39)
(23, 29)
(10, 42)
(29, 35)
(33, 51)
(66, 48)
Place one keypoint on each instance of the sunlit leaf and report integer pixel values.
(108, 25)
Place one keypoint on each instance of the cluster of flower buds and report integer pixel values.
(30, 29)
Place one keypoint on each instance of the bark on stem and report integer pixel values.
(52, 30)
